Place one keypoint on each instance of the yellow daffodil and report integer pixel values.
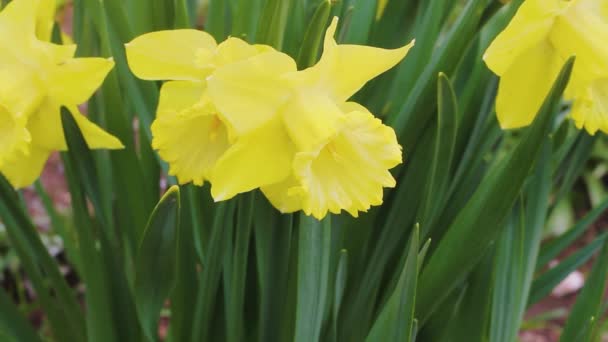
(189, 132)
(309, 148)
(529, 53)
(36, 79)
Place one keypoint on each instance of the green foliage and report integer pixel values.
(455, 252)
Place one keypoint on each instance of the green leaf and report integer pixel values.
(517, 252)
(186, 277)
(314, 246)
(554, 247)
(246, 16)
(13, 324)
(480, 222)
(271, 27)
(62, 309)
(543, 285)
(273, 245)
(396, 320)
(339, 288)
(309, 50)
(85, 168)
(235, 298)
(217, 19)
(155, 266)
(587, 310)
(221, 229)
(443, 154)
(360, 24)
(97, 261)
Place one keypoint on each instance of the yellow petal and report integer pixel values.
(45, 126)
(191, 141)
(176, 96)
(590, 107)
(25, 169)
(344, 69)
(249, 93)
(14, 137)
(45, 19)
(285, 195)
(311, 119)
(55, 54)
(75, 81)
(524, 86)
(18, 20)
(350, 171)
(21, 92)
(170, 55)
(94, 135)
(261, 158)
(530, 26)
(233, 50)
(582, 33)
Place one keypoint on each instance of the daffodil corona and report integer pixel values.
(37, 78)
(529, 53)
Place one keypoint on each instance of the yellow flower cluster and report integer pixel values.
(529, 53)
(36, 79)
(243, 117)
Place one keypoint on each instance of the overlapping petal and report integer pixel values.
(530, 27)
(171, 55)
(260, 158)
(14, 137)
(249, 93)
(188, 133)
(517, 103)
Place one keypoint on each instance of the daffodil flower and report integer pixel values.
(189, 132)
(36, 79)
(310, 149)
(529, 53)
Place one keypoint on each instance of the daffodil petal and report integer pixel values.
(261, 158)
(25, 168)
(170, 55)
(350, 171)
(73, 82)
(233, 50)
(14, 137)
(344, 69)
(94, 135)
(286, 196)
(582, 33)
(311, 119)
(20, 91)
(16, 19)
(45, 19)
(45, 126)
(176, 96)
(524, 86)
(530, 26)
(249, 93)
